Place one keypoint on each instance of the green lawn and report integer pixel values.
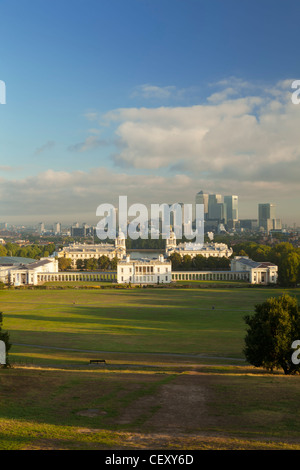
(145, 396)
(186, 321)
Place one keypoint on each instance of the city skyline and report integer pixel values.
(149, 99)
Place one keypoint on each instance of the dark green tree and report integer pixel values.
(186, 262)
(114, 263)
(176, 261)
(272, 330)
(64, 263)
(103, 262)
(91, 264)
(80, 264)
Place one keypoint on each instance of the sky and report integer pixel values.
(152, 99)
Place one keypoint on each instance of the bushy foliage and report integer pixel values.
(198, 263)
(272, 330)
(284, 255)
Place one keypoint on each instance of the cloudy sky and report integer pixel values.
(153, 99)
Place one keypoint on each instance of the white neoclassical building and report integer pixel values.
(84, 251)
(21, 272)
(259, 272)
(194, 249)
(144, 271)
(241, 269)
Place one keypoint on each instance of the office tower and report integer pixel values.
(267, 217)
(41, 228)
(57, 227)
(202, 198)
(232, 209)
(214, 210)
(218, 212)
(266, 211)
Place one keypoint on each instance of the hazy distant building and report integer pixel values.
(216, 208)
(41, 228)
(267, 217)
(202, 198)
(248, 224)
(57, 227)
(83, 231)
(231, 210)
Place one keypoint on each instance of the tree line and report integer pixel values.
(29, 251)
(198, 263)
(89, 264)
(284, 255)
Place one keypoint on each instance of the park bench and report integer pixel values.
(97, 361)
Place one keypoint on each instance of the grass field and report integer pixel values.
(175, 375)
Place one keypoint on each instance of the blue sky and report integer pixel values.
(156, 99)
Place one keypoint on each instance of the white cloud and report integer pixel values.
(75, 195)
(237, 142)
(152, 91)
(223, 138)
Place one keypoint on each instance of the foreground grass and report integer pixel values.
(215, 408)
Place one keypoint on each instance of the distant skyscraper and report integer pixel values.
(202, 198)
(232, 208)
(215, 211)
(41, 228)
(267, 217)
(57, 227)
(218, 212)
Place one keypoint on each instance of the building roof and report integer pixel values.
(189, 246)
(15, 260)
(34, 265)
(255, 264)
(101, 247)
(144, 261)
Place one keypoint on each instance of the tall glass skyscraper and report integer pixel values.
(232, 207)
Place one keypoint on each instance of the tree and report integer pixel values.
(4, 336)
(103, 262)
(186, 262)
(80, 264)
(91, 264)
(114, 263)
(64, 263)
(199, 262)
(176, 261)
(272, 330)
